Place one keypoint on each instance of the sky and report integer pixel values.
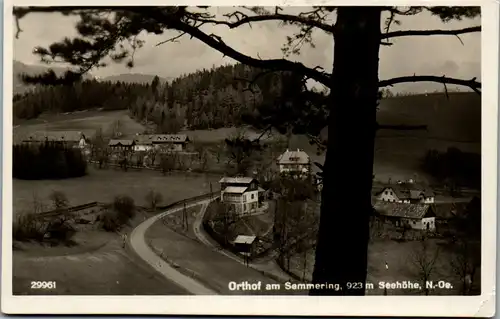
(423, 55)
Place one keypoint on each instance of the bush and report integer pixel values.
(110, 221)
(153, 198)
(122, 210)
(28, 227)
(124, 206)
(60, 230)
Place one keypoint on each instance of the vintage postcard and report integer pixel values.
(291, 158)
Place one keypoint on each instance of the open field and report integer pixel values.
(96, 264)
(103, 185)
(400, 258)
(86, 121)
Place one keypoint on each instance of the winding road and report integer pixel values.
(139, 246)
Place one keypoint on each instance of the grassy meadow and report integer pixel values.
(451, 122)
(103, 185)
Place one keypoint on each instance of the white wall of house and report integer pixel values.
(388, 195)
(421, 224)
(300, 168)
(428, 223)
(427, 200)
(170, 146)
(142, 148)
(243, 203)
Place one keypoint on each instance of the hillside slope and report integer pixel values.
(19, 68)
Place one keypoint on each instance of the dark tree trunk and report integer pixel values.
(341, 254)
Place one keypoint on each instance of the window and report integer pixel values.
(390, 192)
(386, 192)
(252, 196)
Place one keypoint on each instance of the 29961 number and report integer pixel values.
(43, 285)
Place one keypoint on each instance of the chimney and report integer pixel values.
(298, 150)
(287, 150)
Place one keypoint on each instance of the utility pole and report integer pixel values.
(184, 217)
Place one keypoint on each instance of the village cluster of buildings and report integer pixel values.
(142, 143)
(77, 139)
(74, 139)
(404, 203)
(245, 194)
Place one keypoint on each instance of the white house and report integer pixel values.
(170, 142)
(241, 192)
(143, 143)
(406, 192)
(294, 162)
(416, 216)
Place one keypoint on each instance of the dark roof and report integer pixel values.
(401, 192)
(449, 210)
(402, 210)
(237, 180)
(408, 190)
(70, 136)
(143, 139)
(169, 138)
(121, 142)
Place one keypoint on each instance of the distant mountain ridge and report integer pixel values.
(19, 68)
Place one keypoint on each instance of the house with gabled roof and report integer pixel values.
(70, 138)
(416, 216)
(143, 142)
(241, 192)
(406, 192)
(295, 162)
(171, 142)
(121, 144)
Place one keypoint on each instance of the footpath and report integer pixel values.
(197, 265)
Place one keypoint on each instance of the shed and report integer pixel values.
(245, 243)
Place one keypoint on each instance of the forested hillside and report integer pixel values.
(223, 97)
(206, 99)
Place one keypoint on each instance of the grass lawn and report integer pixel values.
(103, 185)
(97, 265)
(182, 222)
(86, 121)
(401, 266)
(206, 265)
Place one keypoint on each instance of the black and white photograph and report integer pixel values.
(275, 154)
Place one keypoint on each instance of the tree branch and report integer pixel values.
(272, 64)
(472, 83)
(245, 19)
(429, 32)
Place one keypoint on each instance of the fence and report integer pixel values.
(72, 209)
(190, 200)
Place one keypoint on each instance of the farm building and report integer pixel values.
(447, 211)
(417, 216)
(171, 142)
(245, 244)
(143, 143)
(241, 192)
(407, 192)
(70, 138)
(121, 145)
(297, 162)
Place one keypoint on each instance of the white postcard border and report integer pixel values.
(482, 305)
